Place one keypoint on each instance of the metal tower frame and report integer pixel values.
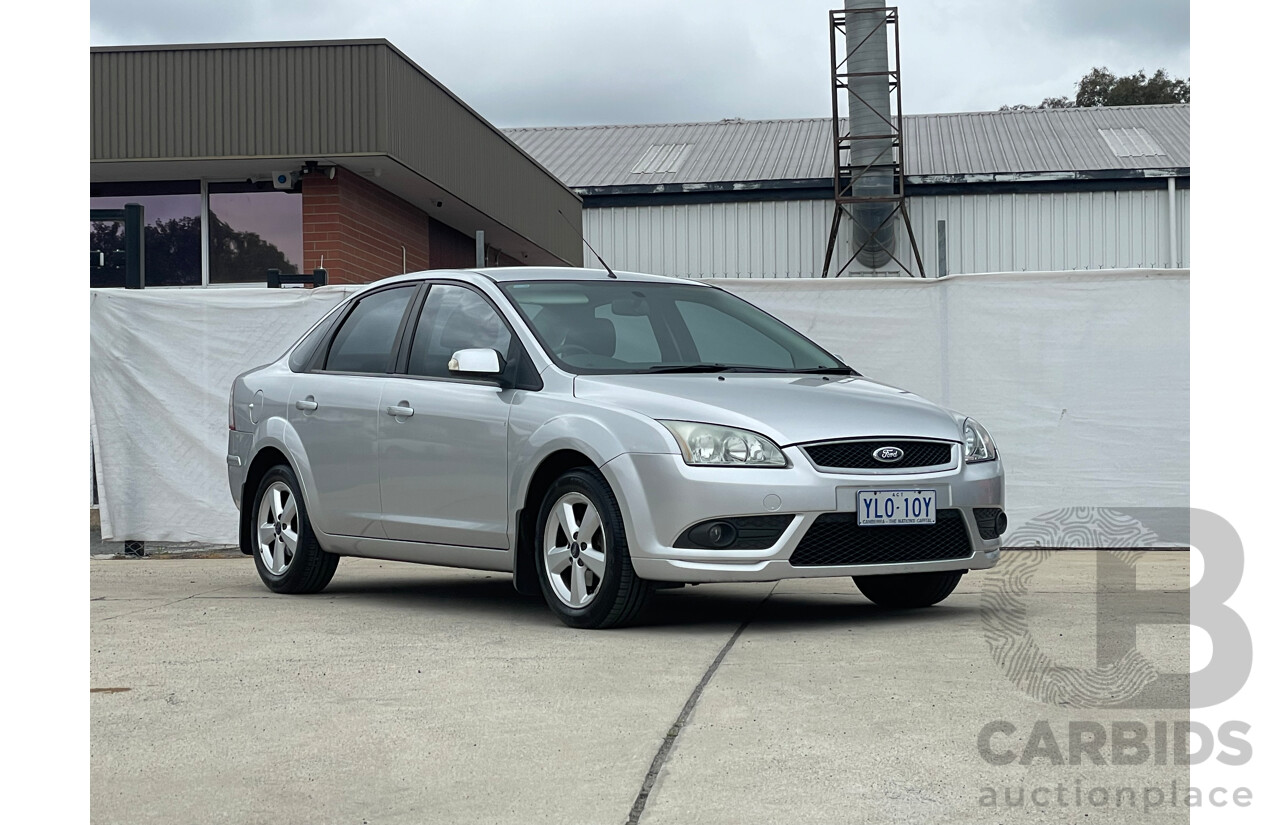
(844, 175)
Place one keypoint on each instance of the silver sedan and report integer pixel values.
(598, 436)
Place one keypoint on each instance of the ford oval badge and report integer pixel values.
(887, 455)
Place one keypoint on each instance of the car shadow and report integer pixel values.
(701, 605)
(684, 608)
(491, 596)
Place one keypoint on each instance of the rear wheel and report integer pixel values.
(286, 553)
(908, 590)
(584, 565)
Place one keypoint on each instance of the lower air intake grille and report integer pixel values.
(836, 538)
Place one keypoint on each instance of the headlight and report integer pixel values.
(978, 444)
(711, 445)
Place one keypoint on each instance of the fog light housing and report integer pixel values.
(714, 534)
(992, 522)
(735, 532)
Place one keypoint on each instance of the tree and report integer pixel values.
(1102, 88)
(242, 256)
(172, 250)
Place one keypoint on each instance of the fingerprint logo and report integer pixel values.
(1005, 610)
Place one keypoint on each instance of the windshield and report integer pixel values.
(594, 327)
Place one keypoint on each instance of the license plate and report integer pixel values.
(879, 507)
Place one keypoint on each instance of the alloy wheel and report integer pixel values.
(573, 547)
(277, 528)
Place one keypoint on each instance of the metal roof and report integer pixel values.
(1027, 141)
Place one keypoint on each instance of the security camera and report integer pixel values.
(284, 180)
(313, 166)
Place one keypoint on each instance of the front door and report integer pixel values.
(442, 439)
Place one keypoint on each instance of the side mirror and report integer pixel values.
(479, 361)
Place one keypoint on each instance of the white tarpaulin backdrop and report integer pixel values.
(1081, 377)
(161, 363)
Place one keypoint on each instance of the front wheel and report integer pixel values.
(287, 555)
(584, 565)
(908, 590)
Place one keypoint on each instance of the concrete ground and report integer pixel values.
(407, 694)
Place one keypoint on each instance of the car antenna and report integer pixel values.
(589, 246)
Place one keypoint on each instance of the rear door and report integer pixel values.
(442, 438)
(334, 410)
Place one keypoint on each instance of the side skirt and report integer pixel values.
(446, 555)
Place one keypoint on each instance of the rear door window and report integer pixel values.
(365, 340)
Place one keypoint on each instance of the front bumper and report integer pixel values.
(660, 497)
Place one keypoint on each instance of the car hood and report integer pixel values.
(790, 409)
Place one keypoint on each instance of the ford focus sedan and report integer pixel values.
(599, 435)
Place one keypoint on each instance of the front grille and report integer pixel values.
(836, 538)
(856, 455)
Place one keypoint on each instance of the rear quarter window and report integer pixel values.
(306, 348)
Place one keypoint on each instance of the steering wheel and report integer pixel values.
(574, 349)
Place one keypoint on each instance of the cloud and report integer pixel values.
(1163, 22)
(147, 22)
(974, 55)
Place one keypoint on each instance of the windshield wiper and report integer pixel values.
(797, 370)
(688, 368)
(746, 368)
(827, 371)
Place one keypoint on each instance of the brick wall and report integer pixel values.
(360, 230)
(450, 249)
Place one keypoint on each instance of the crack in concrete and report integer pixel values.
(673, 733)
(159, 606)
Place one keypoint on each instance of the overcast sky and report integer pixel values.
(573, 62)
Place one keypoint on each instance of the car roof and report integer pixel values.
(534, 273)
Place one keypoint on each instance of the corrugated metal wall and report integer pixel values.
(985, 233)
(236, 101)
(1051, 231)
(762, 239)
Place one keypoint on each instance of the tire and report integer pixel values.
(908, 590)
(278, 514)
(585, 584)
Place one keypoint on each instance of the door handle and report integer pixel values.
(307, 405)
(400, 410)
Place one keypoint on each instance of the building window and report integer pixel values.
(171, 246)
(253, 229)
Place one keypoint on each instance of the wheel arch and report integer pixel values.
(554, 465)
(266, 458)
